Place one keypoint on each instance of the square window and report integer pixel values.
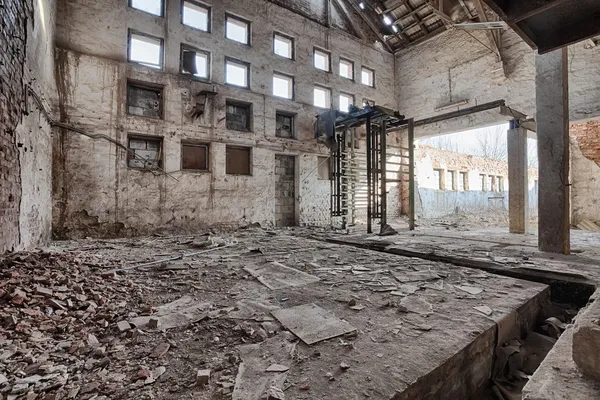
(283, 46)
(237, 160)
(145, 50)
(237, 29)
(345, 101)
(284, 125)
(194, 156)
(195, 62)
(237, 73)
(144, 101)
(346, 69)
(283, 86)
(154, 7)
(144, 152)
(238, 116)
(196, 16)
(367, 77)
(324, 168)
(321, 60)
(322, 97)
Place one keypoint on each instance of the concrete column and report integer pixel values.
(552, 104)
(518, 193)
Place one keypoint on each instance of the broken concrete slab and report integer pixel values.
(586, 339)
(312, 323)
(276, 276)
(179, 313)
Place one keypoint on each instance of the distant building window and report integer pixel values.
(238, 160)
(367, 77)
(196, 15)
(500, 183)
(438, 179)
(346, 69)
(324, 168)
(194, 156)
(284, 125)
(345, 101)
(283, 86)
(483, 181)
(238, 116)
(145, 50)
(450, 178)
(154, 7)
(463, 181)
(195, 62)
(144, 101)
(283, 46)
(144, 152)
(322, 97)
(237, 73)
(322, 60)
(491, 183)
(237, 29)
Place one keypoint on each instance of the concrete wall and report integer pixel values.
(455, 66)
(26, 61)
(95, 193)
(585, 172)
(433, 201)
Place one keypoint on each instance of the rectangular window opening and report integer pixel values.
(321, 60)
(462, 182)
(237, 73)
(283, 46)
(324, 168)
(283, 86)
(346, 100)
(195, 62)
(144, 101)
(238, 160)
(145, 50)
(500, 184)
(238, 116)
(194, 156)
(322, 97)
(196, 15)
(154, 7)
(367, 77)
(237, 29)
(144, 152)
(346, 69)
(284, 125)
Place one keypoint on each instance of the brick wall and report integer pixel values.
(588, 137)
(13, 20)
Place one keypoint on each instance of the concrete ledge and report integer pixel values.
(586, 339)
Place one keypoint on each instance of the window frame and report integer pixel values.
(289, 115)
(352, 75)
(292, 45)
(162, 8)
(133, 32)
(248, 28)
(362, 68)
(196, 50)
(193, 143)
(325, 52)
(326, 89)
(249, 119)
(250, 163)
(349, 95)
(146, 86)
(201, 5)
(238, 62)
(138, 136)
(292, 93)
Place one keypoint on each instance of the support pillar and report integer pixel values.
(552, 104)
(518, 190)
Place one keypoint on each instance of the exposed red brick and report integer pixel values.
(588, 137)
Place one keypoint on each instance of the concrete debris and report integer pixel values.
(484, 309)
(276, 276)
(588, 225)
(277, 368)
(202, 377)
(160, 350)
(387, 230)
(469, 289)
(123, 326)
(274, 393)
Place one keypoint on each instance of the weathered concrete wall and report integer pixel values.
(26, 60)
(433, 201)
(95, 193)
(585, 172)
(455, 66)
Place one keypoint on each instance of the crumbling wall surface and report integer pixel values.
(97, 194)
(456, 66)
(585, 172)
(25, 61)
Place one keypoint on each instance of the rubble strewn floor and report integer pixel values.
(75, 328)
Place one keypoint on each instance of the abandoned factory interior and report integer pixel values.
(300, 199)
